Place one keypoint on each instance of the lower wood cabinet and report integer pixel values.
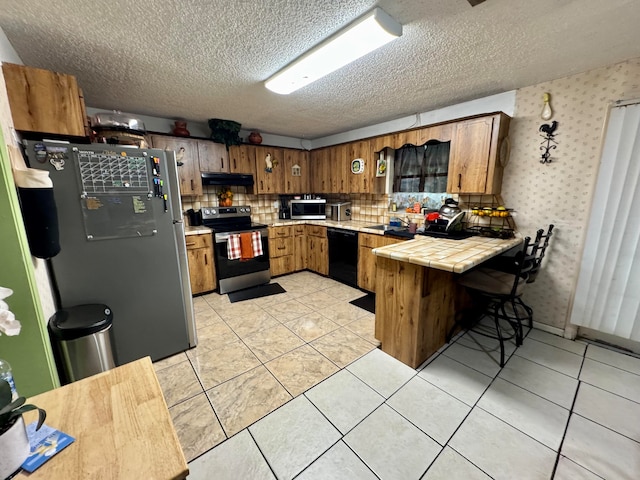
(317, 249)
(300, 257)
(202, 272)
(367, 260)
(281, 250)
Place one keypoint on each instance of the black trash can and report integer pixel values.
(81, 341)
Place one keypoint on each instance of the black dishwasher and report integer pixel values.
(343, 255)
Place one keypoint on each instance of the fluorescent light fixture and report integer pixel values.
(361, 37)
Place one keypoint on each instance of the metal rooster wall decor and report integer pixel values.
(549, 143)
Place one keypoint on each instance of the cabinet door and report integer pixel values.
(201, 270)
(367, 269)
(318, 255)
(339, 168)
(320, 170)
(269, 181)
(281, 265)
(300, 251)
(365, 182)
(296, 183)
(469, 161)
(186, 151)
(322, 259)
(242, 159)
(44, 101)
(213, 157)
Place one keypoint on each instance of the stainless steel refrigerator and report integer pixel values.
(122, 242)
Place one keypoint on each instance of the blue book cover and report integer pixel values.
(45, 443)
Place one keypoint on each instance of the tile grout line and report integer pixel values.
(566, 427)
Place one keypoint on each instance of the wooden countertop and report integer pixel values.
(450, 255)
(121, 425)
(200, 230)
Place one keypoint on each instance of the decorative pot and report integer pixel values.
(255, 138)
(225, 202)
(180, 129)
(14, 445)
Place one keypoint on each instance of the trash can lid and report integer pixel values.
(80, 321)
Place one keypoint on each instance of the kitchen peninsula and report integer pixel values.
(417, 295)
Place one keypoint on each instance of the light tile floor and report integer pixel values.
(558, 409)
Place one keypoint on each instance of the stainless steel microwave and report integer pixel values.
(308, 209)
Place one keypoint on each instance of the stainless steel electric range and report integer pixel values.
(236, 274)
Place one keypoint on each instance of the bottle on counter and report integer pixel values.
(7, 375)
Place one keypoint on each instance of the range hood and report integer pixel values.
(241, 179)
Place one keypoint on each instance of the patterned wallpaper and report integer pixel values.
(561, 192)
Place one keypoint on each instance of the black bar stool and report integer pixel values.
(496, 294)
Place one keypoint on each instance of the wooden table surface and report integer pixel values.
(121, 425)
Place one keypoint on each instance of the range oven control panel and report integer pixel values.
(210, 213)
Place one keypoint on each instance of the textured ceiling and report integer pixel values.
(202, 59)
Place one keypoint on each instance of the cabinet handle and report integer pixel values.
(206, 260)
(288, 186)
(261, 185)
(191, 244)
(235, 167)
(459, 181)
(191, 184)
(281, 248)
(222, 162)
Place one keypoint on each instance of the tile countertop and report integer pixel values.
(200, 230)
(451, 255)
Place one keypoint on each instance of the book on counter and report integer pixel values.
(44, 443)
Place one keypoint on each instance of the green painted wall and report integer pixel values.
(30, 352)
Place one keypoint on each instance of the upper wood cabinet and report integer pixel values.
(186, 150)
(339, 164)
(320, 170)
(298, 183)
(365, 182)
(242, 159)
(44, 101)
(271, 182)
(213, 157)
(474, 166)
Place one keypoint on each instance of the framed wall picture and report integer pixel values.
(357, 165)
(381, 167)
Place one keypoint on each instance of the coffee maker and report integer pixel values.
(284, 213)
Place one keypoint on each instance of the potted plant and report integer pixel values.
(14, 443)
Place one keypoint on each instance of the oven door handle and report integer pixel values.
(223, 237)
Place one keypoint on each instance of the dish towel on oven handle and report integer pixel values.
(256, 243)
(235, 250)
(233, 247)
(246, 247)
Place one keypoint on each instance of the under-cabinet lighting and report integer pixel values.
(361, 37)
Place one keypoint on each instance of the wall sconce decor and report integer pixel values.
(547, 113)
(549, 143)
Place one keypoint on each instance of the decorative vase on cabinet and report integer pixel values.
(180, 129)
(255, 138)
